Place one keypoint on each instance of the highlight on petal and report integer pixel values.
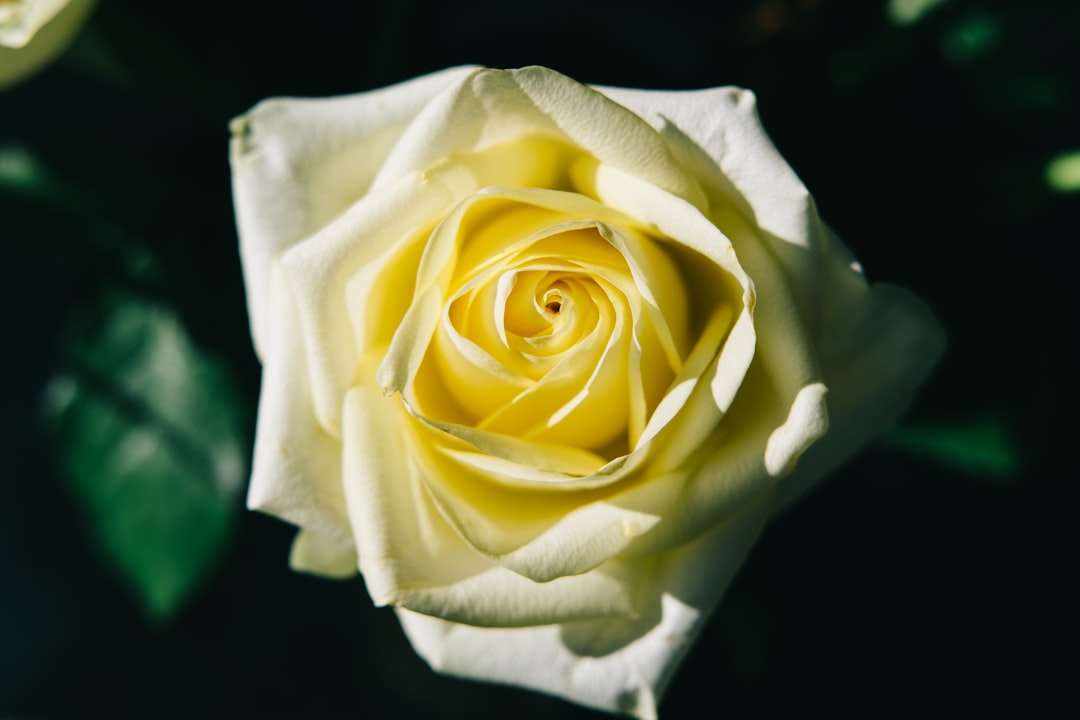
(806, 423)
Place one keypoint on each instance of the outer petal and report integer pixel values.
(724, 125)
(494, 106)
(878, 350)
(320, 270)
(614, 665)
(39, 33)
(875, 344)
(296, 471)
(322, 555)
(718, 136)
(297, 163)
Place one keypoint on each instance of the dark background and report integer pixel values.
(915, 581)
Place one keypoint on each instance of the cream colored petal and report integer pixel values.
(719, 330)
(776, 404)
(36, 34)
(805, 424)
(544, 536)
(404, 359)
(500, 598)
(574, 462)
(298, 163)
(875, 345)
(659, 287)
(321, 272)
(766, 297)
(758, 439)
(756, 198)
(410, 556)
(539, 545)
(296, 470)
(545, 545)
(614, 665)
(315, 553)
(613, 137)
(579, 542)
(732, 461)
(528, 526)
(495, 106)
(723, 122)
(581, 385)
(485, 495)
(876, 353)
(755, 195)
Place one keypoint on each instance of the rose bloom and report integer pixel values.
(34, 32)
(540, 360)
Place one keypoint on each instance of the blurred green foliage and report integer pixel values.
(983, 448)
(148, 429)
(20, 173)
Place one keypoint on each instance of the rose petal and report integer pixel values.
(329, 268)
(878, 350)
(316, 553)
(746, 167)
(717, 134)
(297, 163)
(412, 558)
(296, 470)
(495, 106)
(614, 665)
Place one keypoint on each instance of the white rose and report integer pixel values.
(540, 360)
(34, 32)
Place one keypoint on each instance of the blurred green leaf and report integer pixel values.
(149, 433)
(21, 172)
(975, 35)
(980, 447)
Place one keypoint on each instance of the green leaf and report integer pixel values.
(20, 171)
(973, 37)
(979, 447)
(150, 435)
